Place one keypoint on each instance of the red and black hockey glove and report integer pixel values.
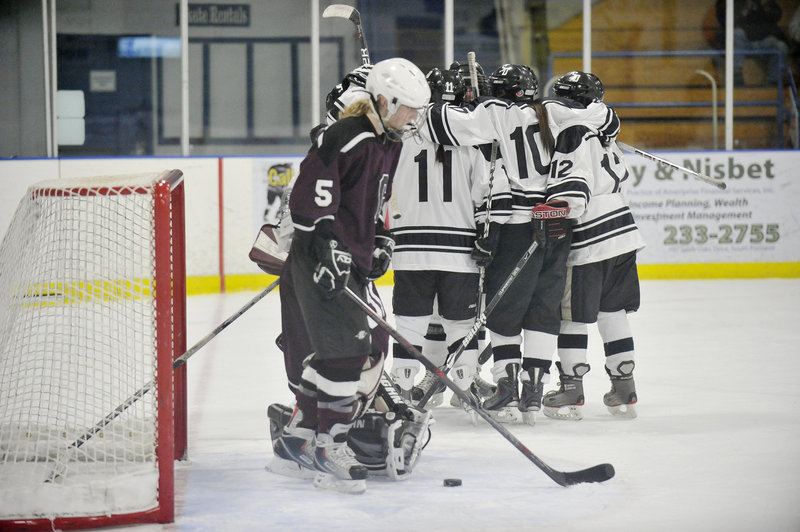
(486, 246)
(550, 223)
(382, 255)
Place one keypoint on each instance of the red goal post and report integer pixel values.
(92, 307)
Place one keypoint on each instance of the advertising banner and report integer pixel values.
(685, 220)
(270, 177)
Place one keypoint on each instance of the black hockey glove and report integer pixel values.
(486, 246)
(550, 223)
(333, 267)
(382, 255)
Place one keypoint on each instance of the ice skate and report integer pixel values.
(567, 402)
(503, 406)
(485, 388)
(530, 400)
(428, 381)
(621, 400)
(337, 466)
(469, 408)
(293, 453)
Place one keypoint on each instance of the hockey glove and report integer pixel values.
(550, 224)
(333, 269)
(382, 255)
(486, 246)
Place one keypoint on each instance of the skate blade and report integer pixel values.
(529, 417)
(508, 414)
(327, 481)
(566, 412)
(624, 411)
(289, 468)
(472, 415)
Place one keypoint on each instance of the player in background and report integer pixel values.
(435, 339)
(484, 388)
(435, 342)
(470, 99)
(432, 214)
(534, 171)
(602, 281)
(336, 206)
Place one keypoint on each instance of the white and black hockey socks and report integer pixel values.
(615, 330)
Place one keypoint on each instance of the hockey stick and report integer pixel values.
(473, 73)
(351, 14)
(598, 473)
(481, 319)
(485, 354)
(60, 465)
(486, 225)
(663, 162)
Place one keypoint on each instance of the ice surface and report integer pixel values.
(716, 445)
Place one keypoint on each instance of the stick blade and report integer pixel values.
(598, 473)
(342, 11)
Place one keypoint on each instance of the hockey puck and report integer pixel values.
(450, 482)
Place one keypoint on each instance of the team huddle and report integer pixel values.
(491, 206)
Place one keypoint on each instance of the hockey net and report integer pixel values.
(92, 313)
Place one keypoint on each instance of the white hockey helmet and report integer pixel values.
(401, 82)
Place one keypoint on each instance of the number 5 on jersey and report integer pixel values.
(323, 196)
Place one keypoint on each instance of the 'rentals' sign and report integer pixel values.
(216, 14)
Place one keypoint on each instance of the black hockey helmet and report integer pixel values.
(463, 69)
(583, 87)
(446, 86)
(517, 83)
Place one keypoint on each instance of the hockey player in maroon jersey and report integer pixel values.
(336, 206)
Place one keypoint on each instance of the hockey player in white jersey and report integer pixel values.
(602, 281)
(432, 216)
(535, 170)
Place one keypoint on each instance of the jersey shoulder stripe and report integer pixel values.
(343, 137)
(570, 138)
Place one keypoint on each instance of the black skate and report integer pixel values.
(530, 400)
(503, 406)
(293, 453)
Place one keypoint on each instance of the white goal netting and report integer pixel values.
(79, 419)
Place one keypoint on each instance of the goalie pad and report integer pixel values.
(368, 383)
(385, 443)
(388, 444)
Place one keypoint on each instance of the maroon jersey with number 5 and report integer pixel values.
(346, 177)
